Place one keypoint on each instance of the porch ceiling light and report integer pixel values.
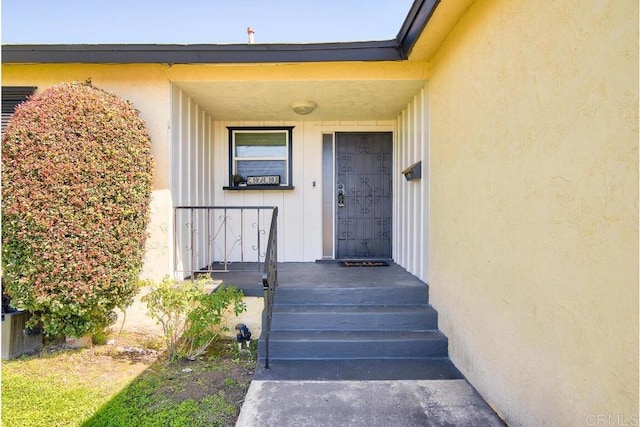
(303, 107)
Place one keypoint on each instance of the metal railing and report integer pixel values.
(270, 280)
(211, 239)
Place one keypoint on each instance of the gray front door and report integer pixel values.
(363, 195)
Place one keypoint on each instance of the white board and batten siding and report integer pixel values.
(292, 215)
(192, 167)
(200, 170)
(300, 210)
(411, 198)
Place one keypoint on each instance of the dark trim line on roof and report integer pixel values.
(201, 54)
(389, 50)
(419, 14)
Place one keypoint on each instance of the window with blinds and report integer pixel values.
(11, 97)
(261, 152)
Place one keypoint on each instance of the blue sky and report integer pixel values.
(200, 21)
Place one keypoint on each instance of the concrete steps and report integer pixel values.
(433, 368)
(371, 344)
(354, 317)
(379, 295)
(381, 332)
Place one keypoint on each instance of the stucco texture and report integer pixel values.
(534, 206)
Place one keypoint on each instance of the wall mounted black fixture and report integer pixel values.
(413, 172)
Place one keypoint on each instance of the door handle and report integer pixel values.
(340, 195)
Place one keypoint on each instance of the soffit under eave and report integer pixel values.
(388, 70)
(444, 19)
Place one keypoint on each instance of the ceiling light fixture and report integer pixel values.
(303, 107)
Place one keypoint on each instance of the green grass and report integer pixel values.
(94, 388)
(140, 404)
(53, 391)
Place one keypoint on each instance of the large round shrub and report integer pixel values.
(76, 185)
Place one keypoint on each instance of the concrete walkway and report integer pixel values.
(404, 403)
(363, 392)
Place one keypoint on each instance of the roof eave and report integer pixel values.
(415, 22)
(201, 53)
(389, 50)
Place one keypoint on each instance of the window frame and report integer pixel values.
(287, 130)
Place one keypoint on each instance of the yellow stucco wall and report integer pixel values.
(534, 207)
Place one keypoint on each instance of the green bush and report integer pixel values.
(76, 186)
(190, 315)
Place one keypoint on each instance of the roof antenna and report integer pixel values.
(250, 33)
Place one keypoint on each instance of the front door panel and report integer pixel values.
(363, 195)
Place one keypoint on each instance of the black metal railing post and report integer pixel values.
(270, 280)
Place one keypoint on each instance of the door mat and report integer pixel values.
(364, 264)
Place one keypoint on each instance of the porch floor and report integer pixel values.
(319, 275)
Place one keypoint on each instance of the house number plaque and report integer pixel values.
(263, 180)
